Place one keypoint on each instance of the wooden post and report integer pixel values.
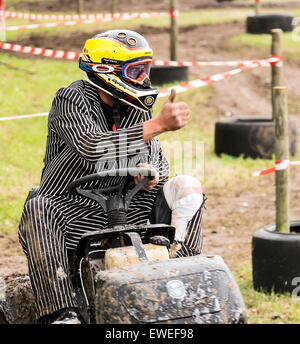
(276, 50)
(257, 7)
(79, 6)
(173, 30)
(281, 153)
(113, 6)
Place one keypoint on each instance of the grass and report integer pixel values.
(291, 48)
(201, 129)
(264, 308)
(9, 4)
(23, 141)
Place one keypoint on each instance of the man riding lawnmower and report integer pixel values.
(104, 123)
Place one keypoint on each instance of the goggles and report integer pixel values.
(137, 71)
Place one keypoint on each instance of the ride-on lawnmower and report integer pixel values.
(124, 274)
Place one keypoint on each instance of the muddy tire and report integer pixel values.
(252, 137)
(17, 306)
(265, 23)
(275, 259)
(160, 75)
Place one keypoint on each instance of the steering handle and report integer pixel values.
(118, 201)
(147, 172)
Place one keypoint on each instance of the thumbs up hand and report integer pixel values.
(173, 116)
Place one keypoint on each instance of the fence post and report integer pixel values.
(276, 50)
(257, 7)
(281, 153)
(173, 31)
(79, 6)
(113, 6)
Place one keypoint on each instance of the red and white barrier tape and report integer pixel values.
(205, 81)
(38, 16)
(274, 60)
(105, 17)
(279, 165)
(60, 54)
(71, 55)
(179, 88)
(174, 13)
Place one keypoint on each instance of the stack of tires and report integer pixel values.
(160, 75)
(275, 260)
(265, 23)
(252, 137)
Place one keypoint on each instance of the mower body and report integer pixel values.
(189, 290)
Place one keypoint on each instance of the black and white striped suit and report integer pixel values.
(79, 143)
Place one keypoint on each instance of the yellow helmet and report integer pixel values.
(118, 62)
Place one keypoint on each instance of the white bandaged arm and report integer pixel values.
(184, 197)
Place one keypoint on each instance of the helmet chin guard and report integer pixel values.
(118, 62)
(122, 97)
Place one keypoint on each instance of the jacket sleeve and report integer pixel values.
(158, 160)
(70, 117)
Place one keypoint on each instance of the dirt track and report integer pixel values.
(236, 212)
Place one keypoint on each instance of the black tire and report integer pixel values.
(160, 75)
(252, 137)
(275, 259)
(265, 23)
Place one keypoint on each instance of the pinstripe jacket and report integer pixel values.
(79, 141)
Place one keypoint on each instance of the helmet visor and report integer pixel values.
(137, 71)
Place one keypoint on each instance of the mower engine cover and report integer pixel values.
(187, 290)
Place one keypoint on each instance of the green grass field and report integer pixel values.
(290, 47)
(23, 142)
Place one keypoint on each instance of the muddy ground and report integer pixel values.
(235, 212)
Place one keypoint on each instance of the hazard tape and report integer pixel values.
(279, 166)
(179, 88)
(61, 54)
(105, 17)
(205, 81)
(174, 13)
(38, 16)
(71, 55)
(274, 60)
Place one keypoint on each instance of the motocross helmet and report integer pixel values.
(118, 62)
